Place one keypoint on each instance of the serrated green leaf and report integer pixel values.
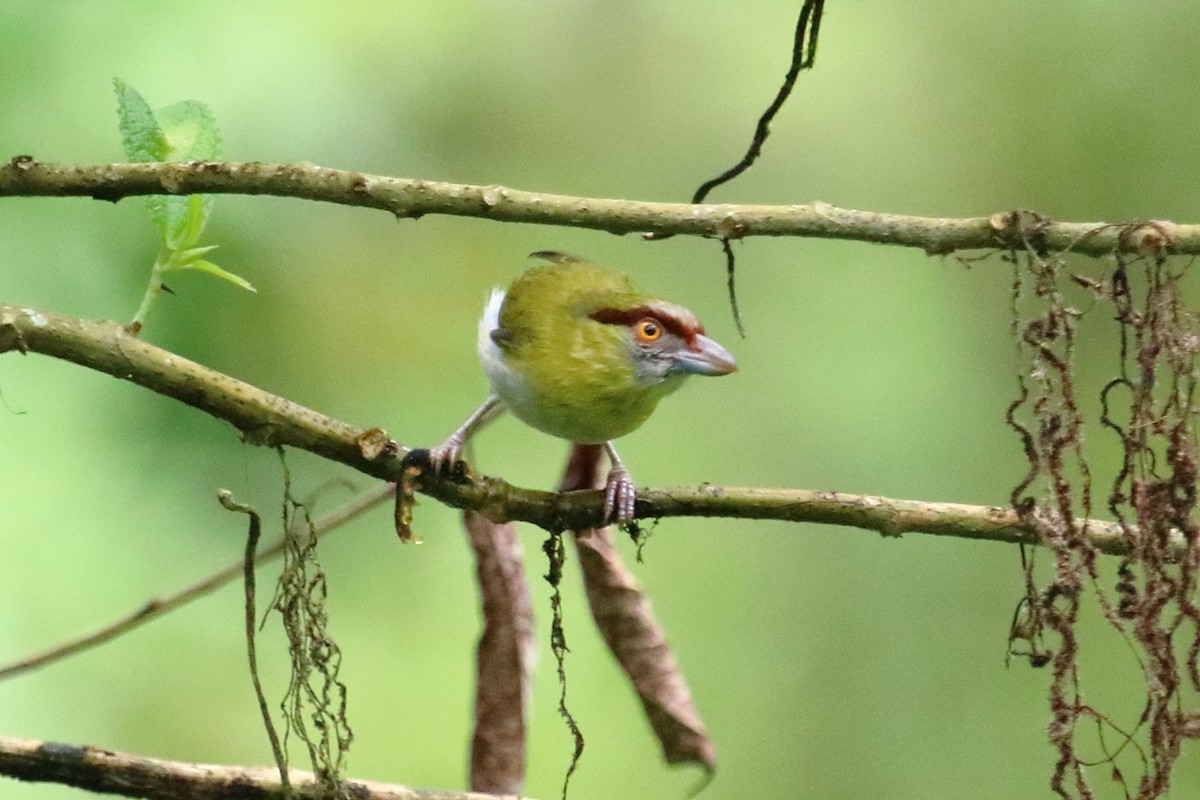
(184, 131)
(213, 269)
(190, 130)
(191, 134)
(159, 207)
(143, 140)
(141, 135)
(185, 218)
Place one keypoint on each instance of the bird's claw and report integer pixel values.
(619, 496)
(443, 457)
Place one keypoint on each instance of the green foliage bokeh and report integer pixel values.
(827, 663)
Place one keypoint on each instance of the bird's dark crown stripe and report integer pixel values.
(628, 316)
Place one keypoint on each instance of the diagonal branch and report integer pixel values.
(104, 771)
(264, 418)
(159, 606)
(413, 198)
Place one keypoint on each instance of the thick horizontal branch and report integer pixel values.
(267, 419)
(103, 771)
(406, 197)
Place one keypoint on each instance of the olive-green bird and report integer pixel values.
(572, 350)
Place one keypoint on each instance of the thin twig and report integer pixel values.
(153, 609)
(802, 58)
(730, 269)
(253, 534)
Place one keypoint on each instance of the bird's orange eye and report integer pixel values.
(648, 330)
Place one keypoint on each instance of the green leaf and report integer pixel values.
(185, 218)
(141, 135)
(144, 140)
(213, 269)
(191, 135)
(185, 257)
(190, 130)
(183, 131)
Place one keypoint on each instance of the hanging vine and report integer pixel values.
(1148, 406)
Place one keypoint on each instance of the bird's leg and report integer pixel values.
(446, 454)
(619, 491)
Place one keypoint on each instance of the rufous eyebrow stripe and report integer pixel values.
(685, 329)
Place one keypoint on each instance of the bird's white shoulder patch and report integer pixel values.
(489, 322)
(491, 356)
(506, 383)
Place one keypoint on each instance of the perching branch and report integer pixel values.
(413, 198)
(264, 418)
(104, 771)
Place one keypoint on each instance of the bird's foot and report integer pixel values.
(443, 457)
(619, 496)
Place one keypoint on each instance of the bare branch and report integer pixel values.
(265, 418)
(413, 198)
(104, 771)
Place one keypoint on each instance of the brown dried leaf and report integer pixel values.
(626, 621)
(504, 658)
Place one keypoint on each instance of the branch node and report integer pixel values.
(374, 444)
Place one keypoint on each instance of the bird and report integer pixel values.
(572, 350)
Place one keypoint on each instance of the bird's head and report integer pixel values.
(664, 340)
(573, 350)
(578, 307)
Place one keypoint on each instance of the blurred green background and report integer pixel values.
(826, 663)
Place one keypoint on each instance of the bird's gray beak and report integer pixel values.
(704, 357)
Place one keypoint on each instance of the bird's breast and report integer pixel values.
(570, 401)
(572, 381)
